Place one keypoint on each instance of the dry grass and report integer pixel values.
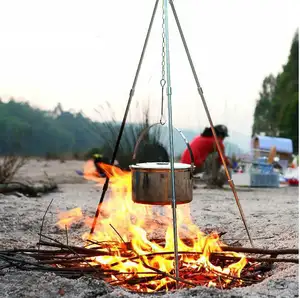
(130, 136)
(9, 166)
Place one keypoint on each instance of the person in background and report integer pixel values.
(235, 164)
(207, 158)
(99, 158)
(277, 165)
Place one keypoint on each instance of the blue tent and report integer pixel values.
(282, 145)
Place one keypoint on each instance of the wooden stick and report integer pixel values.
(212, 255)
(73, 251)
(29, 250)
(245, 239)
(260, 260)
(67, 236)
(254, 250)
(89, 251)
(117, 233)
(294, 251)
(43, 220)
(95, 252)
(238, 248)
(62, 260)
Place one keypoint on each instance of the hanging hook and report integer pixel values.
(162, 120)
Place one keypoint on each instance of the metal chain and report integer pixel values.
(163, 66)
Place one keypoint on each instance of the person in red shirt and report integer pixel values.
(207, 158)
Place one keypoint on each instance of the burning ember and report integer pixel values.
(135, 244)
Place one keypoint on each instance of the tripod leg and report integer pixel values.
(200, 91)
(105, 186)
(171, 142)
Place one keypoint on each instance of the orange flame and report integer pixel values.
(137, 224)
(66, 219)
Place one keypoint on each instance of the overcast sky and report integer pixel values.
(83, 53)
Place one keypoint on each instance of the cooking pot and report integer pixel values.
(151, 181)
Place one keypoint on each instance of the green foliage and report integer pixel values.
(264, 111)
(277, 109)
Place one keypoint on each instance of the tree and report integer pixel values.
(264, 111)
(277, 110)
(287, 96)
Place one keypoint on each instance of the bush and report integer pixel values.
(52, 156)
(9, 166)
(78, 156)
(150, 148)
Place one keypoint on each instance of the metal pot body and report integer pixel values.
(151, 183)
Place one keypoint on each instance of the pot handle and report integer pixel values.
(179, 131)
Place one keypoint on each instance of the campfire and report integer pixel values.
(132, 245)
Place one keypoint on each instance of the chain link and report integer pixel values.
(163, 69)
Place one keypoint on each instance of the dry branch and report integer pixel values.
(74, 262)
(253, 250)
(9, 166)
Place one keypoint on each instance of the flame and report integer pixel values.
(67, 218)
(123, 220)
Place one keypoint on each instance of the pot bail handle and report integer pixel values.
(145, 130)
(141, 137)
(188, 147)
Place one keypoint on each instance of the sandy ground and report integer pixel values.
(61, 172)
(272, 216)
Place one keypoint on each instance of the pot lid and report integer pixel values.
(160, 165)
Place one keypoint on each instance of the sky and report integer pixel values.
(85, 53)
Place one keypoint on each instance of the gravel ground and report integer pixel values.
(272, 216)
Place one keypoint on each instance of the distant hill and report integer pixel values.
(30, 131)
